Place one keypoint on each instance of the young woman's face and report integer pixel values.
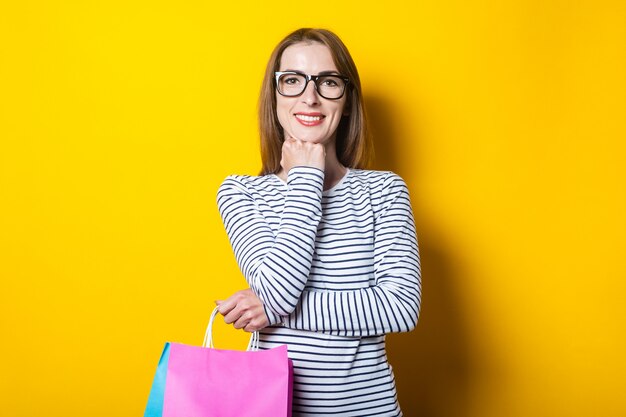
(309, 117)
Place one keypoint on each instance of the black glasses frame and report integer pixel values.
(308, 78)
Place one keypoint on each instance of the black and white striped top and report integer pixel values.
(336, 271)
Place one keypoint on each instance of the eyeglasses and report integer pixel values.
(293, 83)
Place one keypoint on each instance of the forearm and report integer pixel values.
(391, 306)
(276, 264)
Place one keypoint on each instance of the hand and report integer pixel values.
(244, 310)
(296, 152)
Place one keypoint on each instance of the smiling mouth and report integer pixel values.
(306, 118)
(309, 120)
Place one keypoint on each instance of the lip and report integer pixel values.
(309, 119)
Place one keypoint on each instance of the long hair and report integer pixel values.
(353, 142)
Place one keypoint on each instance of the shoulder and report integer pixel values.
(383, 182)
(239, 191)
(387, 189)
(246, 184)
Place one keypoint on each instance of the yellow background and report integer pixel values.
(119, 119)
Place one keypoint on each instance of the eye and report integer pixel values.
(291, 80)
(330, 82)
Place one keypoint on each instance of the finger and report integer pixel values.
(257, 323)
(252, 327)
(233, 315)
(241, 322)
(225, 307)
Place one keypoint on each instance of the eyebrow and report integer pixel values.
(333, 72)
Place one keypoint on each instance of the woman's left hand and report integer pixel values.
(244, 310)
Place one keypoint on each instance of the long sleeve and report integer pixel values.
(276, 263)
(390, 305)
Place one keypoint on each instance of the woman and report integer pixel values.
(328, 248)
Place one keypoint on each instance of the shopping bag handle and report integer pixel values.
(208, 335)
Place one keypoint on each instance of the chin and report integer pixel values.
(313, 138)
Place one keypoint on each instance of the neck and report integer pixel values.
(333, 170)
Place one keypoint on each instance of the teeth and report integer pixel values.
(308, 118)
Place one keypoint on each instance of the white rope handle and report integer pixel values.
(208, 335)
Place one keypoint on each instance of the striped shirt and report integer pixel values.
(336, 271)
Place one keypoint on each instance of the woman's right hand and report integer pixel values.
(296, 152)
(244, 310)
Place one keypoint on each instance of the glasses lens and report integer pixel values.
(291, 84)
(331, 86)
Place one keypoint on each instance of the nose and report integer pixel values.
(310, 96)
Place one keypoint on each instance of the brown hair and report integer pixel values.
(353, 143)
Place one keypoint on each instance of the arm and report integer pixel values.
(275, 266)
(392, 303)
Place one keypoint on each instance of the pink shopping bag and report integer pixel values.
(194, 381)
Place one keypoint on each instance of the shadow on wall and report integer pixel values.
(431, 364)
